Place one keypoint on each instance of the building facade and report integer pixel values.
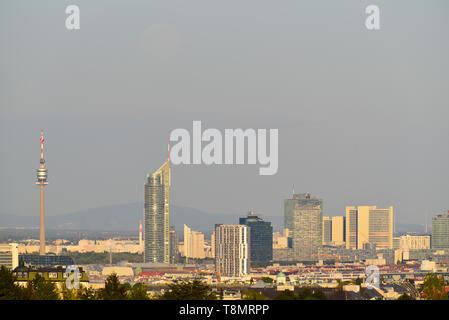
(9, 255)
(338, 230)
(440, 231)
(327, 230)
(411, 242)
(297, 200)
(261, 238)
(157, 215)
(174, 242)
(307, 228)
(232, 256)
(193, 244)
(369, 226)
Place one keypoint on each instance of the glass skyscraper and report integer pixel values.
(440, 232)
(296, 201)
(157, 215)
(261, 238)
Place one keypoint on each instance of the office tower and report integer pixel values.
(174, 242)
(369, 226)
(261, 238)
(327, 230)
(307, 228)
(440, 231)
(157, 215)
(42, 182)
(297, 200)
(338, 230)
(193, 244)
(9, 255)
(280, 239)
(232, 250)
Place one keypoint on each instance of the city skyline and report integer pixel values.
(357, 111)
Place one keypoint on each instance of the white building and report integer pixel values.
(232, 250)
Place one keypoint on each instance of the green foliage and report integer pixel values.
(267, 280)
(286, 295)
(41, 289)
(253, 295)
(304, 294)
(138, 292)
(433, 287)
(8, 289)
(113, 289)
(405, 296)
(189, 290)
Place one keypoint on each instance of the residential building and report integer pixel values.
(232, 256)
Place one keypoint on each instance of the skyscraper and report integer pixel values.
(327, 230)
(42, 182)
(296, 201)
(440, 231)
(369, 225)
(232, 250)
(338, 230)
(157, 215)
(307, 227)
(261, 238)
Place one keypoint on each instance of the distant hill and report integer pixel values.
(125, 217)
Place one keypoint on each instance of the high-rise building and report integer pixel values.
(261, 238)
(327, 230)
(42, 182)
(307, 228)
(157, 215)
(193, 244)
(338, 230)
(297, 200)
(232, 250)
(174, 242)
(440, 231)
(9, 255)
(369, 226)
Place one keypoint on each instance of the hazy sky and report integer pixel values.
(363, 116)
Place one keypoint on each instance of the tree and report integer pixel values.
(253, 295)
(433, 287)
(113, 289)
(405, 296)
(138, 292)
(267, 280)
(189, 290)
(9, 290)
(41, 289)
(287, 295)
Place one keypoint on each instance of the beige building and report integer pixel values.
(193, 244)
(338, 230)
(9, 255)
(369, 225)
(280, 239)
(410, 242)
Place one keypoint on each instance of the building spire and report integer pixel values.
(42, 146)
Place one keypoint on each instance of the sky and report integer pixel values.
(362, 115)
